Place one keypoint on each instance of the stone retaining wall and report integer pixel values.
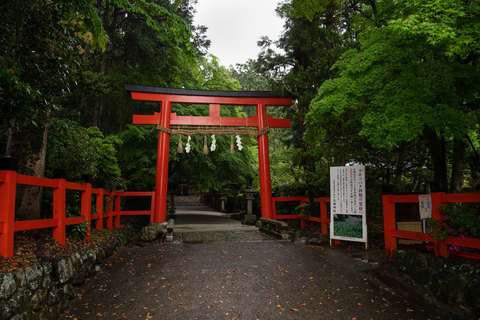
(44, 290)
(448, 280)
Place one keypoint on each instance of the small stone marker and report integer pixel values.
(169, 236)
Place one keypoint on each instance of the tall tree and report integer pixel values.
(39, 45)
(315, 35)
(408, 80)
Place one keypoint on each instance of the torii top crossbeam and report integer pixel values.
(167, 96)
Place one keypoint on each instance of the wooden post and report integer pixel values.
(7, 211)
(303, 221)
(87, 207)
(161, 183)
(59, 211)
(116, 219)
(99, 206)
(389, 224)
(441, 249)
(264, 164)
(152, 207)
(323, 215)
(110, 204)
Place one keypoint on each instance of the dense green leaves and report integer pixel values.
(80, 150)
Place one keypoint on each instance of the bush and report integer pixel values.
(460, 220)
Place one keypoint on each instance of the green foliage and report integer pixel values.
(303, 210)
(80, 231)
(81, 151)
(137, 156)
(460, 220)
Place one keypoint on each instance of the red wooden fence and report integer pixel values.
(8, 186)
(323, 219)
(440, 247)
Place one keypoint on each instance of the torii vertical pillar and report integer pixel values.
(264, 164)
(161, 182)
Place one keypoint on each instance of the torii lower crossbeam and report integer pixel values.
(167, 96)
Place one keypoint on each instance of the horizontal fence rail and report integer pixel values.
(9, 180)
(440, 247)
(323, 219)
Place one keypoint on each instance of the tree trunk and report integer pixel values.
(98, 106)
(458, 165)
(436, 147)
(32, 158)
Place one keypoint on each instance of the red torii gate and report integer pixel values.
(167, 96)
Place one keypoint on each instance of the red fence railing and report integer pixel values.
(323, 219)
(440, 247)
(8, 226)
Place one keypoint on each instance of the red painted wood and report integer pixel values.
(441, 249)
(152, 207)
(460, 197)
(35, 224)
(86, 201)
(59, 194)
(135, 213)
(35, 181)
(176, 120)
(324, 215)
(161, 181)
(240, 101)
(135, 193)
(463, 242)
(74, 220)
(411, 198)
(75, 186)
(116, 212)
(287, 216)
(264, 165)
(7, 212)
(287, 198)
(401, 234)
(389, 223)
(109, 214)
(99, 207)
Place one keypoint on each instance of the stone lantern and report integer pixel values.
(249, 218)
(223, 201)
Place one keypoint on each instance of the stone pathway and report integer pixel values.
(225, 236)
(238, 280)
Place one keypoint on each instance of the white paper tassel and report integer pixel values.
(239, 143)
(187, 147)
(213, 146)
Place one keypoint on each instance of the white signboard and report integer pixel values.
(347, 203)
(425, 206)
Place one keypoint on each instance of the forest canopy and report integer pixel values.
(389, 84)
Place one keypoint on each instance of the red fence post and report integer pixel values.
(274, 209)
(303, 222)
(152, 208)
(389, 224)
(110, 204)
(441, 249)
(59, 211)
(323, 215)
(99, 206)
(116, 221)
(87, 207)
(8, 191)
